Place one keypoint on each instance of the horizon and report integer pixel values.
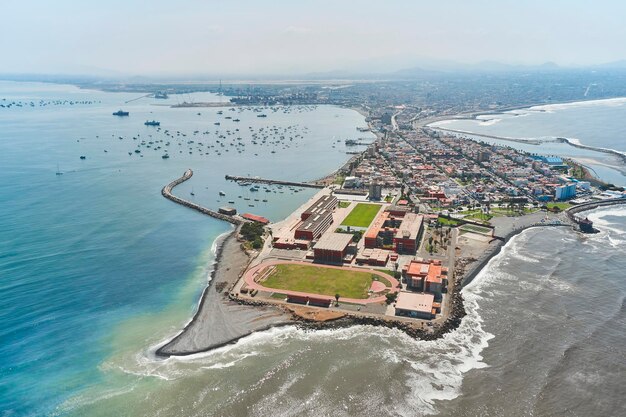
(220, 39)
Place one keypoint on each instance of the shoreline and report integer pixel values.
(198, 335)
(620, 157)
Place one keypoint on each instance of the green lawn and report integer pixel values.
(318, 280)
(448, 222)
(362, 215)
(562, 205)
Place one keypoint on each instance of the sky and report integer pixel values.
(242, 37)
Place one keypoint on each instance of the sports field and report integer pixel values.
(362, 215)
(319, 280)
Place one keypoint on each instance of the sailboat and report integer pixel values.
(58, 170)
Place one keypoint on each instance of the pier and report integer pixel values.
(257, 180)
(167, 193)
(586, 225)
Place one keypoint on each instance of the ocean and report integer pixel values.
(95, 262)
(97, 269)
(596, 123)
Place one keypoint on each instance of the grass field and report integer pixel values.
(362, 215)
(562, 205)
(448, 222)
(318, 280)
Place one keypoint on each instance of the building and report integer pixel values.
(415, 305)
(409, 234)
(376, 191)
(332, 247)
(565, 192)
(229, 211)
(351, 182)
(373, 257)
(316, 219)
(255, 218)
(428, 276)
(324, 203)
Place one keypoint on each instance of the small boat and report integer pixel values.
(152, 123)
(166, 156)
(121, 113)
(261, 115)
(216, 123)
(231, 202)
(83, 157)
(222, 193)
(59, 171)
(236, 120)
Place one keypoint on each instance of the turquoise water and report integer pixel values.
(593, 123)
(94, 263)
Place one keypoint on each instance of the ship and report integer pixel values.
(166, 156)
(152, 123)
(121, 113)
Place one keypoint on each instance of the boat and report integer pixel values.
(216, 123)
(236, 120)
(59, 171)
(254, 189)
(152, 123)
(121, 113)
(261, 115)
(192, 193)
(222, 193)
(83, 157)
(166, 156)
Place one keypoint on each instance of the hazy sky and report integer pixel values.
(153, 37)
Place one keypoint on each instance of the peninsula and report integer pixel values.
(389, 239)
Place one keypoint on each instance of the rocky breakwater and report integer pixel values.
(218, 321)
(167, 193)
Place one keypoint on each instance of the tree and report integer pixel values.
(337, 299)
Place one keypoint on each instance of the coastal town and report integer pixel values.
(391, 237)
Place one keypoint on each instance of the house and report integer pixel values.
(415, 305)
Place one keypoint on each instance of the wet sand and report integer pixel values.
(218, 320)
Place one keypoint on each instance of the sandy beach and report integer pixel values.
(218, 320)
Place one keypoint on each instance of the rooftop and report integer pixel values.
(334, 241)
(415, 302)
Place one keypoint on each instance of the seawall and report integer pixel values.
(167, 193)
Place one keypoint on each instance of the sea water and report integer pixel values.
(97, 273)
(598, 123)
(95, 261)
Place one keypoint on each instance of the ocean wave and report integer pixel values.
(614, 102)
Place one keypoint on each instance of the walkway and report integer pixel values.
(253, 272)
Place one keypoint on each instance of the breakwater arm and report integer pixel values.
(167, 193)
(269, 181)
